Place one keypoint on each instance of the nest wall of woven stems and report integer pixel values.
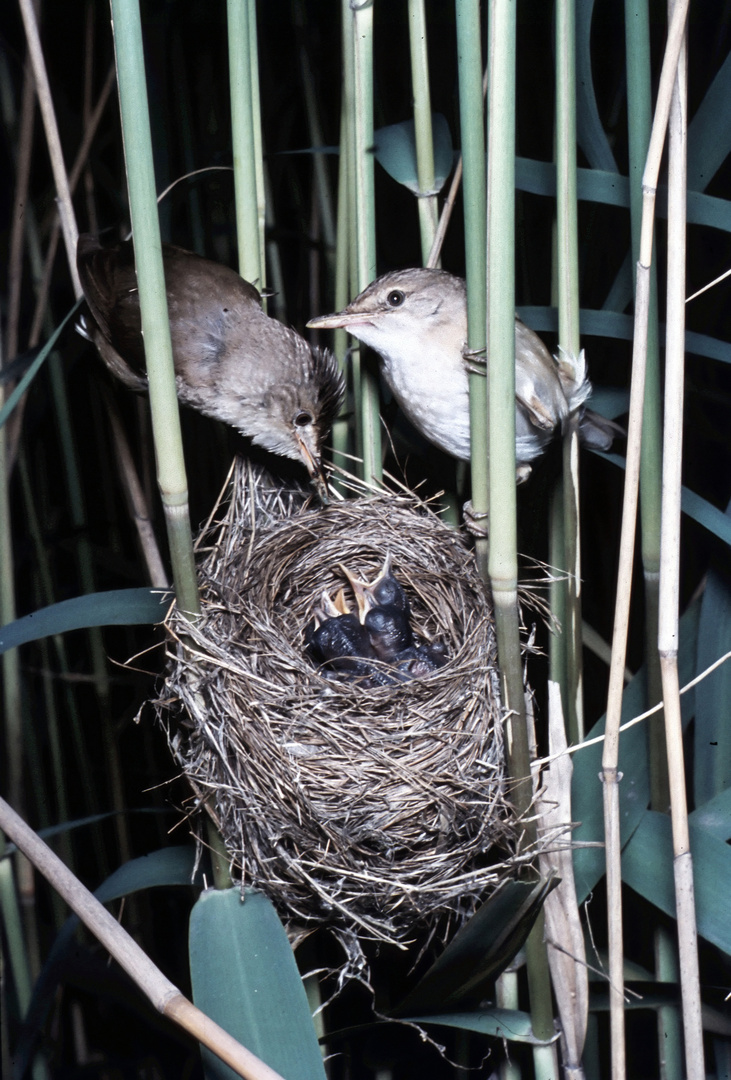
(372, 809)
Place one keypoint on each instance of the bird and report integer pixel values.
(416, 320)
(420, 660)
(232, 361)
(384, 611)
(389, 632)
(335, 634)
(337, 639)
(385, 590)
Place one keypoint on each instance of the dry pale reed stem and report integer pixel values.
(138, 505)
(166, 997)
(610, 754)
(676, 33)
(18, 222)
(65, 206)
(670, 573)
(614, 701)
(82, 156)
(683, 874)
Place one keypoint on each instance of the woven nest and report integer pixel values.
(374, 809)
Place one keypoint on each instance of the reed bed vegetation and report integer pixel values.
(571, 162)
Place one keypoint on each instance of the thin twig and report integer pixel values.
(166, 997)
(53, 139)
(82, 156)
(642, 716)
(17, 226)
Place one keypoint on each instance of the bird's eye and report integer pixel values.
(303, 418)
(396, 298)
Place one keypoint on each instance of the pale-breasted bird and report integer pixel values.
(417, 321)
(232, 362)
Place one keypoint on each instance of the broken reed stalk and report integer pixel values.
(427, 196)
(502, 557)
(610, 777)
(670, 572)
(153, 299)
(569, 340)
(360, 20)
(163, 994)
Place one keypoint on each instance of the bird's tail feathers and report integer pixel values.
(116, 365)
(574, 377)
(595, 431)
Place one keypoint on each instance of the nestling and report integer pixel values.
(232, 362)
(417, 321)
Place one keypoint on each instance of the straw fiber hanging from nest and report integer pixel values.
(373, 808)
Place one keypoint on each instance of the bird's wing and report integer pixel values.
(537, 385)
(109, 282)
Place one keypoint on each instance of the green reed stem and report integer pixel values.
(427, 197)
(669, 609)
(244, 140)
(503, 559)
(171, 474)
(361, 24)
(639, 121)
(568, 336)
(472, 127)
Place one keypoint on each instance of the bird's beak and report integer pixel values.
(313, 463)
(328, 607)
(360, 591)
(340, 320)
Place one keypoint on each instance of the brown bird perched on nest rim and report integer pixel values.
(417, 321)
(232, 362)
